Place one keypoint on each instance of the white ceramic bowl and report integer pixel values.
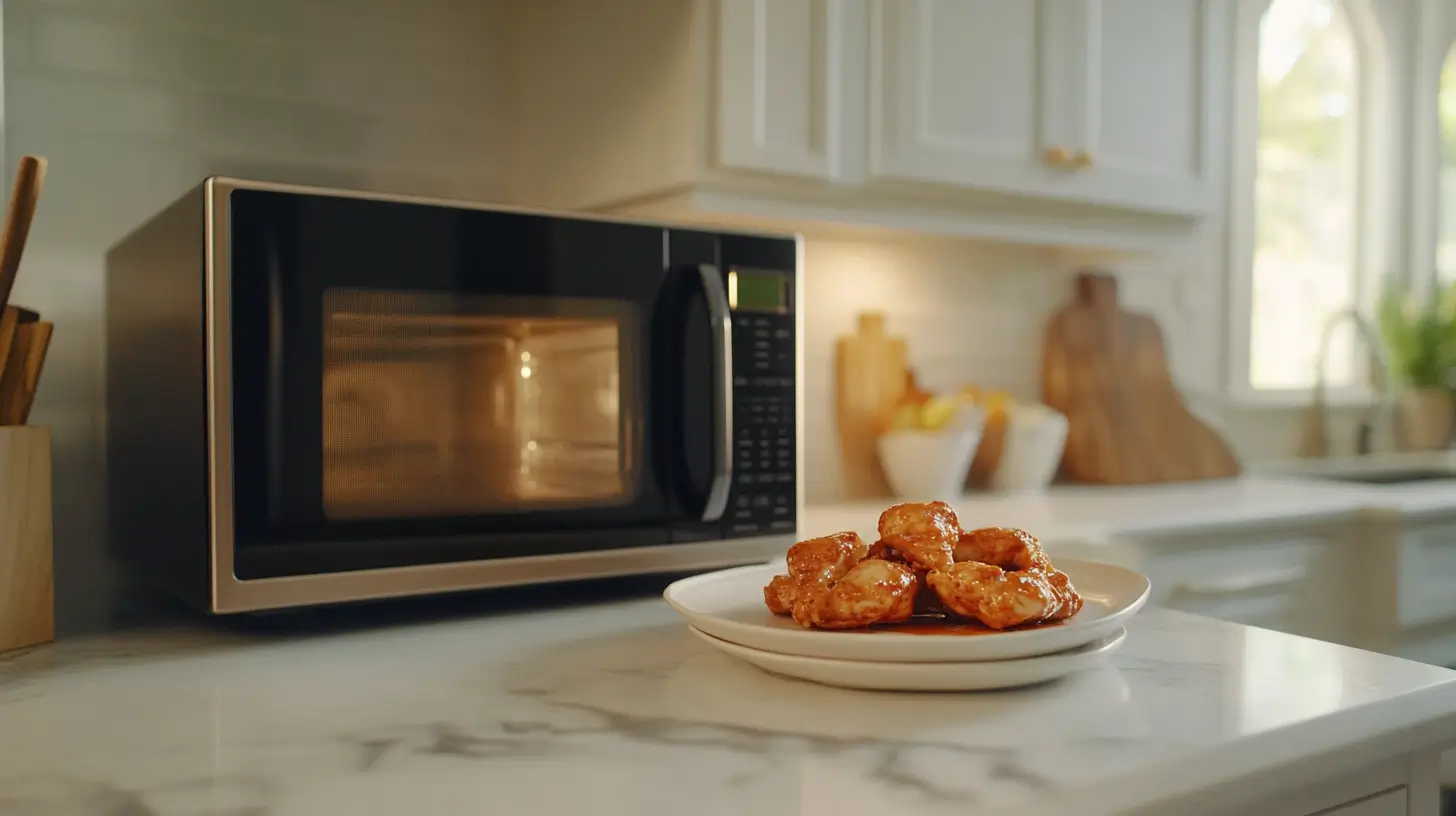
(929, 465)
(1035, 438)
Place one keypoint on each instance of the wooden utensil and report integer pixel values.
(9, 323)
(24, 196)
(870, 380)
(12, 380)
(1107, 371)
(27, 360)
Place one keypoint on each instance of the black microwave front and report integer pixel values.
(319, 395)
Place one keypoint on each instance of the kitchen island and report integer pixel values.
(614, 708)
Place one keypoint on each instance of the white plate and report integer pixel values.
(729, 605)
(972, 676)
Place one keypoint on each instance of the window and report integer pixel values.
(1301, 235)
(1446, 208)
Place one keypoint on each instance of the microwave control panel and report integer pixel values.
(762, 500)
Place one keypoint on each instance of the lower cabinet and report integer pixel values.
(1408, 571)
(1297, 577)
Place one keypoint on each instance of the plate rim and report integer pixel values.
(1093, 648)
(852, 637)
(964, 677)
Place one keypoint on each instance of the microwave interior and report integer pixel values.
(448, 404)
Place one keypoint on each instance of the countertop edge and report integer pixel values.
(1278, 763)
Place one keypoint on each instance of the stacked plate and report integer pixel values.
(726, 610)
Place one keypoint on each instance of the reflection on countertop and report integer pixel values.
(615, 708)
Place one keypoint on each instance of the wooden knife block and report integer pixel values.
(27, 584)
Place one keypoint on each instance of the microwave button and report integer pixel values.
(781, 525)
(784, 477)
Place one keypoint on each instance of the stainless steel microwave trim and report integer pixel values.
(229, 594)
(722, 327)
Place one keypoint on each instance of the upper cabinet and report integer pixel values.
(1154, 101)
(781, 82)
(1067, 121)
(1114, 102)
(956, 93)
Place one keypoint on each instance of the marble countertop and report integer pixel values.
(616, 709)
(1086, 514)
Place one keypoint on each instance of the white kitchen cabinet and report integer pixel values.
(1291, 576)
(1116, 102)
(1408, 567)
(781, 85)
(1157, 101)
(924, 115)
(956, 93)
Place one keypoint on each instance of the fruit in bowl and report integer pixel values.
(928, 446)
(935, 413)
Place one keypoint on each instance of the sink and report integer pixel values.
(1391, 468)
(1390, 477)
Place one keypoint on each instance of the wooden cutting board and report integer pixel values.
(871, 377)
(1107, 370)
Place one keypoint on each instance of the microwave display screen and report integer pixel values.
(439, 404)
(757, 291)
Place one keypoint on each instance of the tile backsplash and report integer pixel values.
(134, 101)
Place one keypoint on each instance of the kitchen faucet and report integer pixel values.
(1314, 440)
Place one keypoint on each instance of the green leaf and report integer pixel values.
(1419, 338)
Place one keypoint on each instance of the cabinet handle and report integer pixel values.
(1058, 157)
(1247, 582)
(1082, 160)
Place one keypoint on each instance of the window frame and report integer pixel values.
(1435, 50)
(1377, 165)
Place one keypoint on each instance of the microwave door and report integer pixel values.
(694, 346)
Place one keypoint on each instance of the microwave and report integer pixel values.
(318, 396)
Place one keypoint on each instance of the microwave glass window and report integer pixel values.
(447, 404)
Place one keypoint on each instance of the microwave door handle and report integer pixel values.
(722, 331)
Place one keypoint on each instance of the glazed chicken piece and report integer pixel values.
(779, 595)
(832, 585)
(1004, 547)
(1069, 600)
(813, 562)
(995, 597)
(885, 552)
(924, 533)
(873, 591)
(1016, 550)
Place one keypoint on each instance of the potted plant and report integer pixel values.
(1420, 342)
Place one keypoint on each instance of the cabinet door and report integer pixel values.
(782, 67)
(1138, 99)
(955, 93)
